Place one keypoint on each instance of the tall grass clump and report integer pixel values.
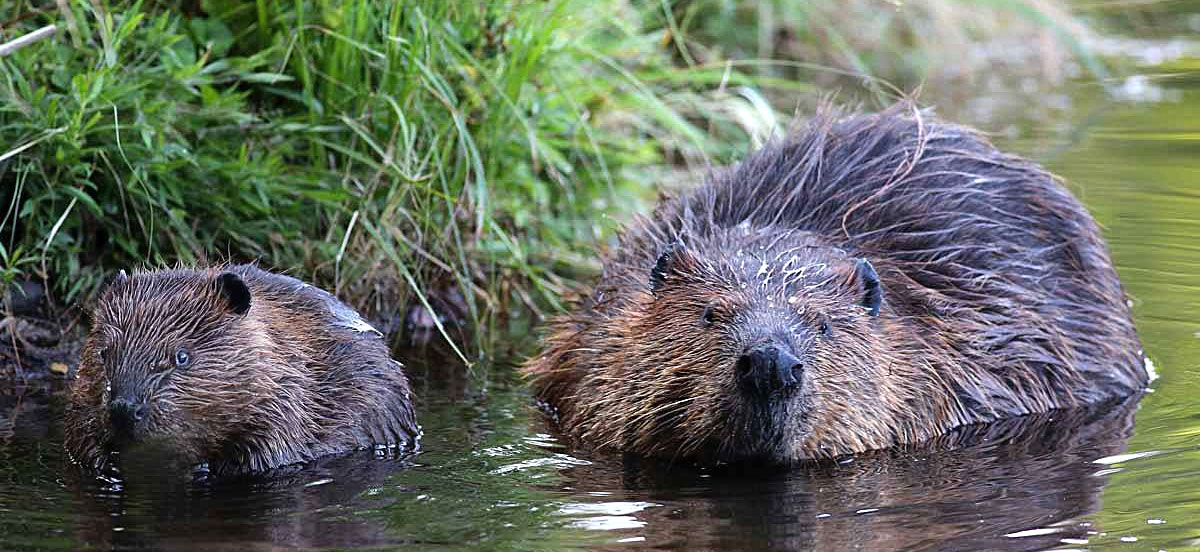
(383, 149)
(136, 145)
(405, 151)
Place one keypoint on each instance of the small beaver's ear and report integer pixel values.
(113, 281)
(235, 292)
(116, 279)
(669, 260)
(872, 297)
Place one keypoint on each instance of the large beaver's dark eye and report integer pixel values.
(182, 358)
(826, 328)
(710, 313)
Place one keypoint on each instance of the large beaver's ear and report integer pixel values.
(872, 297)
(235, 292)
(674, 257)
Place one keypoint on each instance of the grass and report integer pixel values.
(376, 148)
(389, 150)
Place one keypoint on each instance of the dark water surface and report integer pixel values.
(1120, 477)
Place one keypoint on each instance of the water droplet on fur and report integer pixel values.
(793, 299)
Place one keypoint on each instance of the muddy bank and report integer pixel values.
(36, 340)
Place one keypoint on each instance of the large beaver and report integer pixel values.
(236, 368)
(870, 281)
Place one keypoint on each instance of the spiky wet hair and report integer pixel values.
(999, 296)
(275, 372)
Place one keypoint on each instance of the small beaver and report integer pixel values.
(873, 280)
(236, 368)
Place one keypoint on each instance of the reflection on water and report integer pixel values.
(1019, 485)
(488, 478)
(492, 476)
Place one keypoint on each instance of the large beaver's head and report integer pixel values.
(763, 345)
(177, 358)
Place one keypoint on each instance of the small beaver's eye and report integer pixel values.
(710, 313)
(826, 329)
(182, 358)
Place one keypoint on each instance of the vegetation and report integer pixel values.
(389, 149)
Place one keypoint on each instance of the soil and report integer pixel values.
(36, 342)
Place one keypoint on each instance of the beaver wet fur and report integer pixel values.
(872, 280)
(234, 367)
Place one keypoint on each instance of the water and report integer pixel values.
(492, 476)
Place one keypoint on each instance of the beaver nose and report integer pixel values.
(125, 414)
(767, 368)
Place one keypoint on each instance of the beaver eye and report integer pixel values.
(710, 313)
(182, 358)
(826, 329)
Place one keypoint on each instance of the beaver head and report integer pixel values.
(177, 358)
(764, 344)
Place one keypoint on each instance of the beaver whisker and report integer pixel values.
(647, 414)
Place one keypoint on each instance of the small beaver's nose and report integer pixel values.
(125, 414)
(767, 368)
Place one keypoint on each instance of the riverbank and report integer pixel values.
(412, 153)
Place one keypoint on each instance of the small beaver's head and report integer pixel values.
(766, 345)
(173, 357)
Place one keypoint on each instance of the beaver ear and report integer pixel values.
(113, 281)
(235, 292)
(672, 258)
(116, 279)
(872, 297)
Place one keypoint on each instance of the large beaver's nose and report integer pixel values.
(767, 368)
(125, 414)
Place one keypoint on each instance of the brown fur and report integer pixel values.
(296, 376)
(999, 299)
